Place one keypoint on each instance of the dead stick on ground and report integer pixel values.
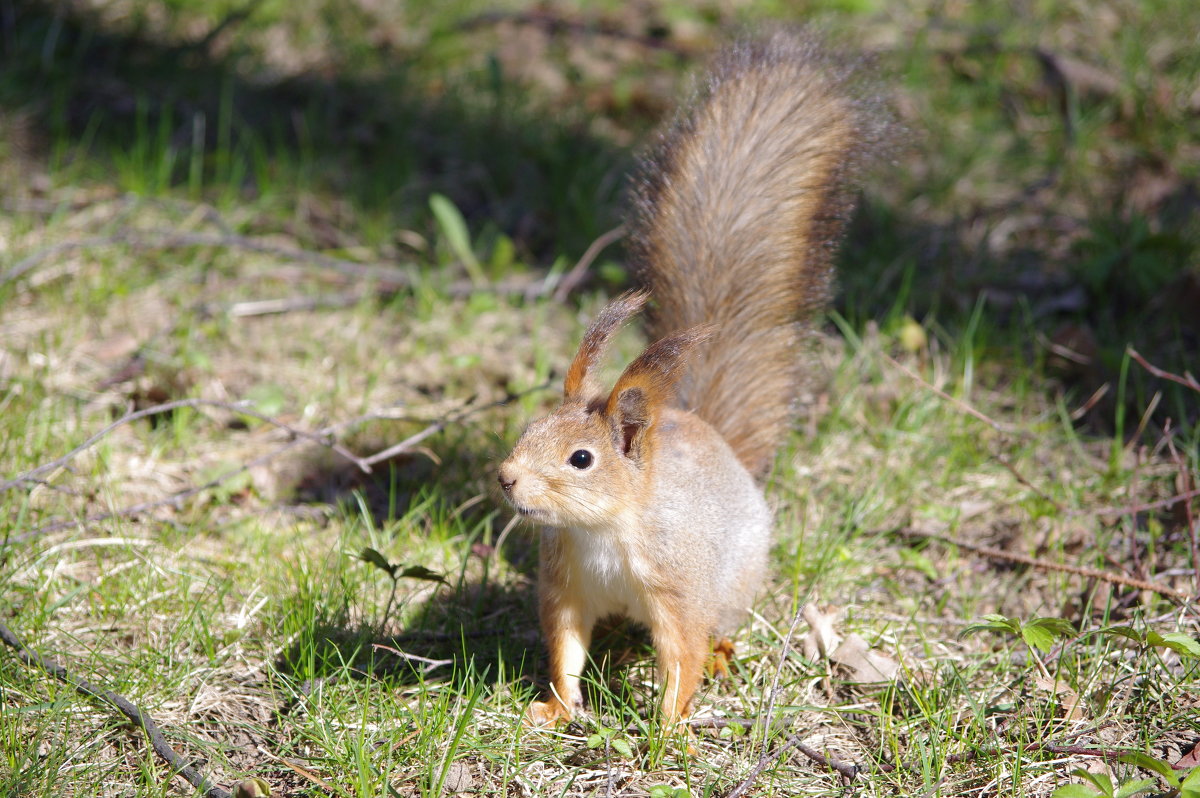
(787, 640)
(1033, 562)
(847, 770)
(1137, 508)
(1187, 380)
(170, 239)
(573, 277)
(320, 437)
(130, 710)
(388, 277)
(960, 404)
(167, 407)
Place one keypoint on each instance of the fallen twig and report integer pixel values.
(1187, 380)
(847, 770)
(1136, 508)
(960, 404)
(270, 307)
(575, 276)
(170, 239)
(167, 407)
(1046, 565)
(130, 710)
(388, 278)
(556, 24)
(321, 437)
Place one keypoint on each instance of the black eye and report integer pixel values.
(581, 459)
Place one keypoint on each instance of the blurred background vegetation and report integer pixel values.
(1048, 179)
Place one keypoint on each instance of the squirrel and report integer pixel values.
(649, 494)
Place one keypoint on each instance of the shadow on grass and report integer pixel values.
(479, 634)
(478, 631)
(191, 115)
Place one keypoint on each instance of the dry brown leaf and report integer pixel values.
(459, 778)
(821, 638)
(1189, 760)
(1067, 697)
(865, 665)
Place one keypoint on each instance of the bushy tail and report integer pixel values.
(739, 209)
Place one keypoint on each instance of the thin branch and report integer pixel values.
(158, 743)
(960, 404)
(787, 641)
(167, 407)
(1187, 380)
(762, 764)
(270, 307)
(793, 741)
(389, 278)
(175, 499)
(1012, 469)
(557, 25)
(170, 239)
(575, 276)
(321, 437)
(845, 768)
(1046, 565)
(1137, 508)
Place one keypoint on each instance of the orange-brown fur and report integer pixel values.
(647, 494)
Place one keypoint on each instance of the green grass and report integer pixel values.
(1022, 217)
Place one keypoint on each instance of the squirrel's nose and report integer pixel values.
(506, 481)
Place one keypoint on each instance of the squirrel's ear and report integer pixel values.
(596, 340)
(648, 383)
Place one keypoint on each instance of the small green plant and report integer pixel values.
(1037, 633)
(667, 791)
(613, 738)
(1183, 783)
(397, 571)
(1178, 642)
(458, 237)
(1098, 784)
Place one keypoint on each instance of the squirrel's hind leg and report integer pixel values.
(722, 658)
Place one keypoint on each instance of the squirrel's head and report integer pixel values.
(588, 462)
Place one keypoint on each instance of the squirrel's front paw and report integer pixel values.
(547, 713)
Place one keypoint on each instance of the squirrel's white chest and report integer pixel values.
(609, 577)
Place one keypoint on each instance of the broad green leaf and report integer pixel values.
(621, 746)
(1179, 643)
(1059, 627)
(1074, 791)
(1123, 631)
(378, 560)
(993, 623)
(1101, 780)
(421, 572)
(1190, 787)
(1037, 637)
(595, 741)
(1134, 787)
(454, 229)
(1153, 764)
(1039, 633)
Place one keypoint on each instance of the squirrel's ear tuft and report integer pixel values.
(648, 383)
(596, 340)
